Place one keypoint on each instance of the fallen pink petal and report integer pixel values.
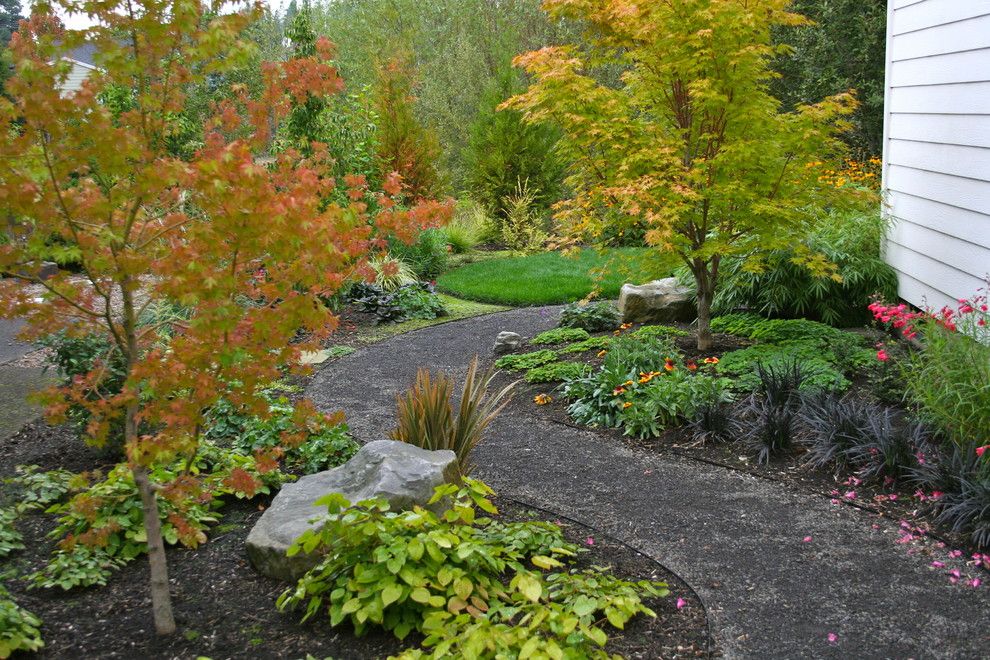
(681, 603)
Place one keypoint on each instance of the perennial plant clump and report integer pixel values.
(472, 585)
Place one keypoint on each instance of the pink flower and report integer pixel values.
(982, 450)
(975, 582)
(832, 638)
(955, 554)
(806, 539)
(589, 541)
(955, 573)
(882, 355)
(938, 564)
(850, 495)
(681, 603)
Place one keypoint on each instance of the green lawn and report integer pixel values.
(550, 278)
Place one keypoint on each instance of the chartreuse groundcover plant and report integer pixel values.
(474, 586)
(688, 148)
(247, 247)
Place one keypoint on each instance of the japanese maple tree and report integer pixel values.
(687, 148)
(246, 244)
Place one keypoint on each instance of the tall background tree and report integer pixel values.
(247, 248)
(844, 48)
(690, 145)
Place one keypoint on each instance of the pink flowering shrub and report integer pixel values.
(948, 379)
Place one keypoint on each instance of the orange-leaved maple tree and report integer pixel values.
(686, 148)
(248, 245)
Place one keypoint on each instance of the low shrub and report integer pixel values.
(19, 629)
(651, 405)
(320, 446)
(412, 301)
(560, 336)
(632, 356)
(819, 372)
(660, 331)
(426, 415)
(428, 255)
(557, 372)
(594, 317)
(593, 344)
(102, 525)
(779, 286)
(463, 580)
(526, 361)
(523, 227)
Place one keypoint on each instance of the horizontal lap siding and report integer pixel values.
(937, 147)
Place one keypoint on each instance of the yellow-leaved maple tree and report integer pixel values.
(686, 147)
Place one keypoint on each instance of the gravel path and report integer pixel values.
(738, 540)
(19, 377)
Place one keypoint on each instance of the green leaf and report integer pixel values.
(390, 594)
(583, 605)
(420, 595)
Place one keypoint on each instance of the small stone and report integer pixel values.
(314, 357)
(401, 473)
(506, 342)
(660, 301)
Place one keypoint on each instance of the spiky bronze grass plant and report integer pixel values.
(426, 416)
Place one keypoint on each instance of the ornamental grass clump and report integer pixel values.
(769, 416)
(426, 416)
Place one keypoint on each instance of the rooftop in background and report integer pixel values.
(84, 54)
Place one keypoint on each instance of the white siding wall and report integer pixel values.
(76, 77)
(937, 147)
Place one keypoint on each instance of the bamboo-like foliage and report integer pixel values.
(426, 412)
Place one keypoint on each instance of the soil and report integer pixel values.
(224, 609)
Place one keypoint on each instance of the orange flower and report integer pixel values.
(542, 399)
(711, 360)
(619, 391)
(669, 364)
(602, 353)
(691, 365)
(627, 404)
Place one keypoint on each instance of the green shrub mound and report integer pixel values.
(472, 585)
(561, 336)
(660, 331)
(594, 317)
(593, 344)
(556, 372)
(826, 355)
(525, 361)
(778, 286)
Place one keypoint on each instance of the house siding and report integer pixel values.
(937, 147)
(75, 78)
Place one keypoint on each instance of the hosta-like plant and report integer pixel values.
(472, 585)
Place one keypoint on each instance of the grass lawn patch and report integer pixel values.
(551, 278)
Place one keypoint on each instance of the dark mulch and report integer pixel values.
(226, 610)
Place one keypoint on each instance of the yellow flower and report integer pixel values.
(542, 399)
(627, 404)
(602, 353)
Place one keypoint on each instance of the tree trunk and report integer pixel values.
(161, 599)
(705, 339)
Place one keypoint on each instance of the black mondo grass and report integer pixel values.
(712, 423)
(958, 481)
(889, 447)
(768, 419)
(833, 425)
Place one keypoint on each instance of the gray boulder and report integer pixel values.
(403, 474)
(660, 301)
(506, 342)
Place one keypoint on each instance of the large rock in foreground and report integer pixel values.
(660, 301)
(403, 474)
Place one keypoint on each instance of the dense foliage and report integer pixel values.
(775, 284)
(844, 48)
(474, 586)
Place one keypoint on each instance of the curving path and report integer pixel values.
(736, 539)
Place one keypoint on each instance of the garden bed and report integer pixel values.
(225, 609)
